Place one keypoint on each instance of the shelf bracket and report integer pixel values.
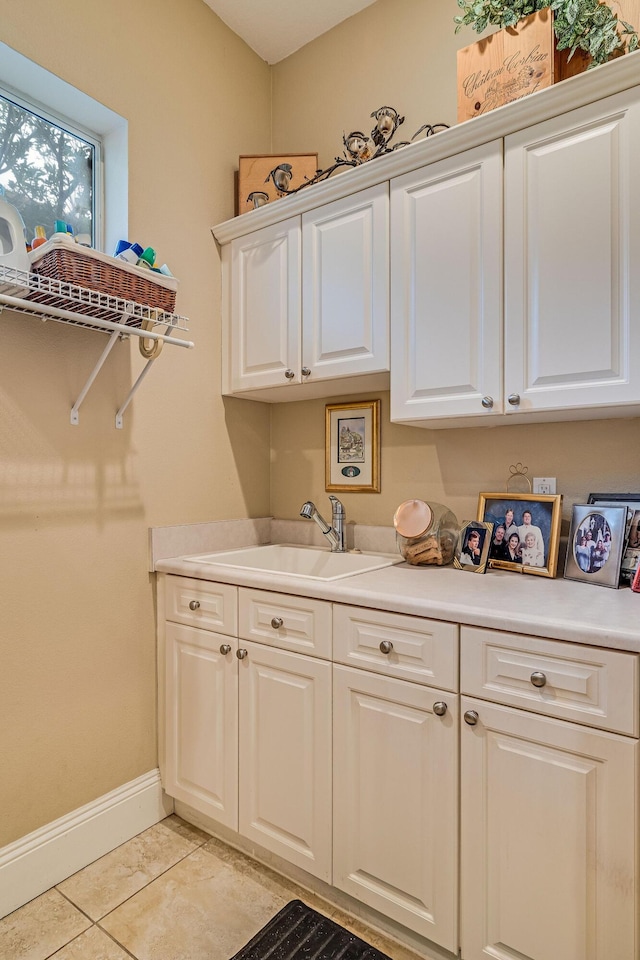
(131, 394)
(75, 416)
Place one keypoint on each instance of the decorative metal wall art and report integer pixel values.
(359, 148)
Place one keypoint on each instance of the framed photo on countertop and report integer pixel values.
(631, 550)
(596, 543)
(352, 447)
(472, 551)
(526, 531)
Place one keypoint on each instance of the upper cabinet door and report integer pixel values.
(345, 286)
(261, 340)
(446, 288)
(572, 246)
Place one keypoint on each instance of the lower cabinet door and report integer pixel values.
(201, 748)
(395, 843)
(549, 838)
(285, 755)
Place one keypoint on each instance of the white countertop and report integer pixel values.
(555, 608)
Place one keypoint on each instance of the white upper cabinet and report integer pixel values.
(345, 286)
(261, 333)
(446, 288)
(572, 248)
(307, 301)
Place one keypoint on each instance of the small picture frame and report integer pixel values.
(596, 543)
(352, 447)
(472, 551)
(526, 531)
(632, 535)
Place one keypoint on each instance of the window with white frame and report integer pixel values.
(64, 133)
(47, 168)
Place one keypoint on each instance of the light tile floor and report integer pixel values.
(171, 893)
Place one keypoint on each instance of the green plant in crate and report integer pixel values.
(587, 25)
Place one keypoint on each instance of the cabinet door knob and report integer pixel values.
(194, 604)
(225, 648)
(277, 622)
(289, 374)
(386, 646)
(306, 372)
(471, 717)
(538, 678)
(241, 653)
(513, 399)
(440, 708)
(487, 402)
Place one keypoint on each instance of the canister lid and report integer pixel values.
(412, 518)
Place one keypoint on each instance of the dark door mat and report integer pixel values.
(299, 933)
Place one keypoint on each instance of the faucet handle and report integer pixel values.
(337, 506)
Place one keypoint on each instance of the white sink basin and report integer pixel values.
(298, 561)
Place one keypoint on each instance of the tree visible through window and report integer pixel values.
(45, 170)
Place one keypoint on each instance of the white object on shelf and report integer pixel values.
(134, 319)
(13, 252)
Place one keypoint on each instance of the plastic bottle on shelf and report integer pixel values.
(13, 252)
(40, 238)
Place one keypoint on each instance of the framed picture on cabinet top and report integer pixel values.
(631, 551)
(526, 531)
(596, 543)
(472, 552)
(352, 447)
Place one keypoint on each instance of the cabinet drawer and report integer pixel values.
(589, 685)
(425, 651)
(199, 603)
(291, 623)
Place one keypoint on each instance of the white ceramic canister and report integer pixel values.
(13, 250)
(426, 533)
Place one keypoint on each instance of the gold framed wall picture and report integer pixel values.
(352, 447)
(526, 531)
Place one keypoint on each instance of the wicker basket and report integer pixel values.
(59, 259)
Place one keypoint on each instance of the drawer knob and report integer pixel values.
(225, 648)
(241, 653)
(386, 646)
(487, 402)
(306, 372)
(514, 399)
(471, 717)
(538, 678)
(289, 374)
(194, 604)
(440, 708)
(277, 622)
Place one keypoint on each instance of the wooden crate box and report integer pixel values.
(517, 61)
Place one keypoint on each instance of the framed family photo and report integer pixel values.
(352, 447)
(526, 531)
(472, 551)
(631, 550)
(596, 543)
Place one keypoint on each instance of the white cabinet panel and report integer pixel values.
(345, 284)
(446, 288)
(572, 244)
(262, 306)
(549, 835)
(285, 756)
(201, 738)
(395, 837)
(291, 623)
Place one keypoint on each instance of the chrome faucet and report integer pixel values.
(336, 534)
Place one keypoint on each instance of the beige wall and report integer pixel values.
(77, 634)
(403, 53)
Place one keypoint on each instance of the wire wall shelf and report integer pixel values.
(49, 299)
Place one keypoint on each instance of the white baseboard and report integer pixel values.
(49, 855)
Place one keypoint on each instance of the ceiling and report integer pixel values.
(277, 28)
